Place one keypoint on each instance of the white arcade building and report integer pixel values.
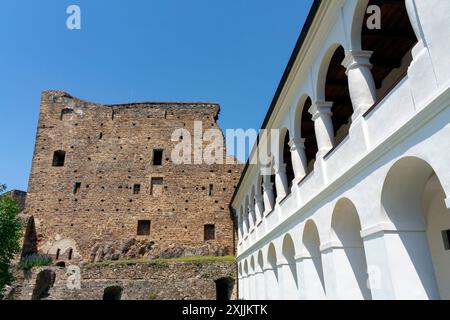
(355, 203)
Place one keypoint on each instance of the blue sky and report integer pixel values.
(231, 52)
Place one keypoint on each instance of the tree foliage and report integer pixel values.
(10, 234)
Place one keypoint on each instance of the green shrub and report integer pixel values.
(35, 260)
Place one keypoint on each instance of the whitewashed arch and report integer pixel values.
(312, 262)
(271, 275)
(357, 24)
(323, 69)
(413, 271)
(348, 252)
(297, 118)
(290, 280)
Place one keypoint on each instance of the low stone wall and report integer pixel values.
(140, 281)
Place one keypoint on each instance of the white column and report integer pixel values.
(312, 277)
(345, 271)
(259, 208)
(271, 282)
(288, 283)
(328, 272)
(251, 217)
(300, 279)
(245, 286)
(253, 287)
(323, 125)
(281, 182)
(246, 223)
(298, 157)
(260, 285)
(268, 196)
(280, 283)
(399, 263)
(240, 287)
(360, 81)
(240, 227)
(430, 67)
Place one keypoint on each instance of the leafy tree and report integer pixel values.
(10, 234)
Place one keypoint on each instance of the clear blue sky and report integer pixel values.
(232, 52)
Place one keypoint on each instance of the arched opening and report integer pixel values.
(30, 239)
(253, 206)
(391, 44)
(44, 281)
(308, 133)
(349, 256)
(337, 92)
(247, 215)
(59, 158)
(224, 288)
(241, 223)
(290, 287)
(260, 187)
(271, 274)
(312, 263)
(274, 187)
(414, 201)
(60, 264)
(65, 112)
(286, 158)
(113, 293)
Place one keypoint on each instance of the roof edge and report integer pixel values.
(298, 46)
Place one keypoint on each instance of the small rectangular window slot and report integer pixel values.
(143, 228)
(77, 187)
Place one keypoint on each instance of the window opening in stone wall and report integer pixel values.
(224, 289)
(136, 189)
(70, 254)
(113, 293)
(156, 188)
(157, 157)
(209, 232)
(77, 187)
(143, 228)
(210, 190)
(59, 158)
(57, 254)
(65, 112)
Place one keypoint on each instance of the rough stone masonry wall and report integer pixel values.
(108, 150)
(152, 281)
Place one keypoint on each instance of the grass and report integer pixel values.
(35, 260)
(152, 296)
(193, 259)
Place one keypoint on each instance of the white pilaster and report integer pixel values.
(298, 157)
(269, 201)
(281, 182)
